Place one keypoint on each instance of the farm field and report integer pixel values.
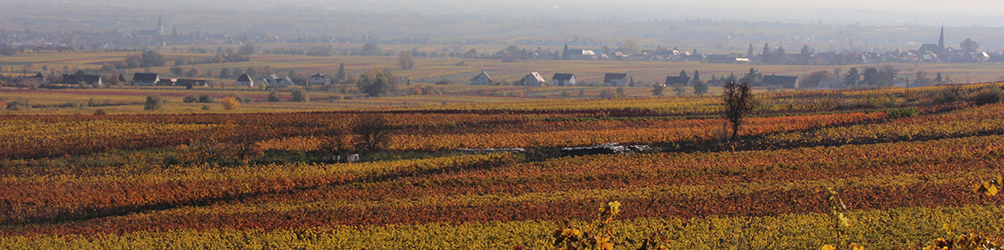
(889, 168)
(460, 70)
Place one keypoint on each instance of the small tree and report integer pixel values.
(405, 60)
(177, 71)
(700, 88)
(376, 83)
(154, 102)
(273, 96)
(231, 103)
(657, 89)
(679, 89)
(206, 98)
(300, 95)
(191, 98)
(606, 94)
(738, 103)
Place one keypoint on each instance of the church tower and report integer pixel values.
(941, 39)
(160, 25)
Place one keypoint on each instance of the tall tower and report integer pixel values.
(160, 24)
(941, 39)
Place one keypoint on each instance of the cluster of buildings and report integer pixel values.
(534, 79)
(927, 53)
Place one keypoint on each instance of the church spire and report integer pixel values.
(941, 39)
(160, 23)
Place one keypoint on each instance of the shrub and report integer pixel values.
(231, 103)
(987, 96)
(300, 95)
(3, 105)
(951, 93)
(607, 94)
(902, 112)
(154, 102)
(99, 112)
(657, 90)
(206, 98)
(274, 96)
(191, 98)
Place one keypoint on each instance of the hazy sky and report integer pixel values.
(869, 12)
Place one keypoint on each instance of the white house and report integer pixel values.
(563, 79)
(533, 79)
(481, 79)
(245, 80)
(615, 79)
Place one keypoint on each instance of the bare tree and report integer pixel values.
(738, 103)
(372, 131)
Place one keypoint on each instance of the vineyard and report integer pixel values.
(880, 169)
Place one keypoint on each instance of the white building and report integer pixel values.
(533, 79)
(563, 79)
(245, 80)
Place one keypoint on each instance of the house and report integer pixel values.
(153, 33)
(720, 59)
(938, 49)
(274, 80)
(86, 79)
(320, 79)
(831, 83)
(615, 79)
(481, 79)
(580, 54)
(788, 82)
(245, 80)
(563, 79)
(45, 77)
(674, 80)
(145, 79)
(533, 79)
(167, 82)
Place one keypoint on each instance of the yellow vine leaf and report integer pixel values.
(856, 246)
(989, 188)
(828, 247)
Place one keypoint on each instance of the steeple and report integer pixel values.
(941, 39)
(160, 23)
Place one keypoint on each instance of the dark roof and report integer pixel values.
(930, 47)
(147, 77)
(611, 76)
(562, 77)
(779, 80)
(244, 78)
(317, 75)
(483, 73)
(671, 80)
(87, 79)
(198, 81)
